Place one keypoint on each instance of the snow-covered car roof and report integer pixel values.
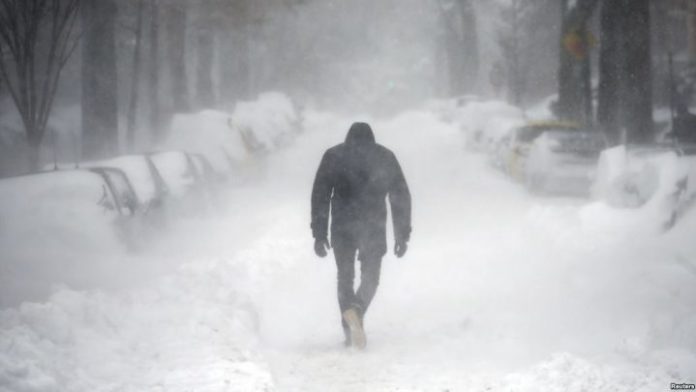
(139, 172)
(61, 202)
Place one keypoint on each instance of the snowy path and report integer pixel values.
(495, 281)
(499, 291)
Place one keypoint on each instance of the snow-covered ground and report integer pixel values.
(500, 290)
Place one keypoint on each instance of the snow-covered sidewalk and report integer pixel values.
(499, 291)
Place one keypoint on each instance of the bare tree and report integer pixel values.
(36, 41)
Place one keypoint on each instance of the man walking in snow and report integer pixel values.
(353, 181)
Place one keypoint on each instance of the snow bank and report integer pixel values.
(267, 123)
(51, 223)
(564, 372)
(511, 292)
(209, 133)
(135, 341)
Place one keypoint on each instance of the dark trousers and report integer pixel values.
(370, 267)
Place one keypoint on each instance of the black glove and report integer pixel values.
(320, 246)
(400, 248)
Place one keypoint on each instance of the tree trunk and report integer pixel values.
(516, 81)
(469, 41)
(461, 45)
(204, 68)
(245, 75)
(135, 78)
(691, 25)
(610, 69)
(99, 80)
(625, 91)
(155, 108)
(228, 69)
(176, 56)
(574, 78)
(34, 152)
(637, 95)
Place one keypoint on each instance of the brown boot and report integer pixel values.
(357, 333)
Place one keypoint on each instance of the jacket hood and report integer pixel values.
(360, 133)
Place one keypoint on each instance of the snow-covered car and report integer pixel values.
(177, 170)
(124, 195)
(661, 178)
(144, 178)
(211, 134)
(446, 108)
(189, 189)
(65, 209)
(485, 123)
(564, 161)
(205, 170)
(131, 210)
(267, 123)
(520, 142)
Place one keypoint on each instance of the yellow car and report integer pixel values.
(521, 140)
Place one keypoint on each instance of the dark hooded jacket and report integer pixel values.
(353, 182)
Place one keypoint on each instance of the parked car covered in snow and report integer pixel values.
(187, 181)
(563, 160)
(486, 123)
(68, 208)
(147, 182)
(661, 178)
(267, 123)
(516, 153)
(177, 170)
(122, 190)
(208, 133)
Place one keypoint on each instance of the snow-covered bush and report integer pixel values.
(266, 123)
